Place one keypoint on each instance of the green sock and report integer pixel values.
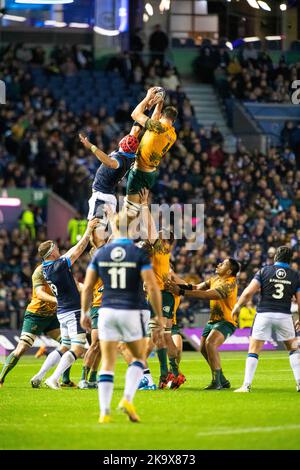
(163, 361)
(217, 376)
(93, 376)
(174, 366)
(66, 376)
(85, 373)
(9, 364)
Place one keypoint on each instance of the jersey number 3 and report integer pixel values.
(117, 278)
(279, 291)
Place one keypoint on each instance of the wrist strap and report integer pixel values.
(93, 148)
(186, 286)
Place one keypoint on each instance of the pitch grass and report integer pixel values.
(189, 418)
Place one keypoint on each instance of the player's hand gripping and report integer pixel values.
(235, 313)
(171, 286)
(85, 141)
(92, 224)
(152, 97)
(85, 322)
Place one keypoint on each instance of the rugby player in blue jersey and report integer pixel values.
(277, 284)
(123, 267)
(57, 271)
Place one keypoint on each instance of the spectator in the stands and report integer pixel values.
(158, 43)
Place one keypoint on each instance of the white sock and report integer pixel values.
(134, 375)
(65, 362)
(251, 364)
(51, 361)
(295, 364)
(105, 391)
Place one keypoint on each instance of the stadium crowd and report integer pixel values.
(247, 73)
(252, 200)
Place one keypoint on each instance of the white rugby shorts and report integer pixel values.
(96, 203)
(122, 325)
(280, 323)
(71, 331)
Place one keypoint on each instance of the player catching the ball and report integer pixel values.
(159, 137)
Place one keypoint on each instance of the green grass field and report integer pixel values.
(188, 418)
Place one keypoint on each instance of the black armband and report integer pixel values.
(137, 124)
(186, 286)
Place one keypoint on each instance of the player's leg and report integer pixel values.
(59, 334)
(261, 332)
(13, 358)
(91, 362)
(137, 180)
(78, 339)
(255, 347)
(294, 355)
(285, 331)
(213, 341)
(106, 378)
(162, 353)
(97, 203)
(32, 326)
(131, 325)
(177, 339)
(133, 378)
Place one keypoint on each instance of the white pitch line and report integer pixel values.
(226, 431)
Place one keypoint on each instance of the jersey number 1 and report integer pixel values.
(117, 278)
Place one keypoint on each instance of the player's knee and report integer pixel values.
(210, 345)
(78, 343)
(26, 342)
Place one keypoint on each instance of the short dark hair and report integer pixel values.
(283, 254)
(170, 112)
(234, 266)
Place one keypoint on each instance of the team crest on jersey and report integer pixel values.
(118, 254)
(280, 273)
(166, 308)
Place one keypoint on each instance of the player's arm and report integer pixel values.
(154, 294)
(297, 322)
(103, 157)
(156, 115)
(87, 297)
(147, 220)
(246, 295)
(43, 295)
(176, 285)
(138, 114)
(73, 254)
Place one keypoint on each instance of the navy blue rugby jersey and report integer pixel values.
(106, 179)
(119, 264)
(59, 276)
(278, 284)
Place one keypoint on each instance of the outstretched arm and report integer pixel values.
(103, 157)
(74, 253)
